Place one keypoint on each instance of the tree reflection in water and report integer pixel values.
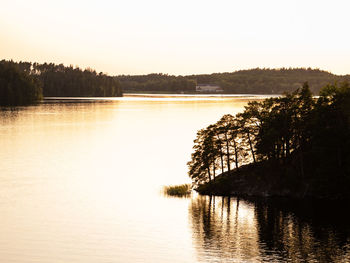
(232, 230)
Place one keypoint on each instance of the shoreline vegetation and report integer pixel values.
(67, 81)
(25, 83)
(177, 190)
(293, 146)
(251, 81)
(16, 87)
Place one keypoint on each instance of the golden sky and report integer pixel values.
(178, 37)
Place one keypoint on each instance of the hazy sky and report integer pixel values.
(178, 37)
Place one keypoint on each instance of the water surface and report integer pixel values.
(80, 182)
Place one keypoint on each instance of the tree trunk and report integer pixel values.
(221, 155)
(209, 173)
(214, 168)
(236, 154)
(251, 147)
(228, 153)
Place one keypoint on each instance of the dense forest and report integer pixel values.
(290, 142)
(17, 87)
(254, 81)
(157, 83)
(62, 81)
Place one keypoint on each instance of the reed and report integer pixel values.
(178, 190)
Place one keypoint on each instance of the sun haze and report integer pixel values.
(177, 37)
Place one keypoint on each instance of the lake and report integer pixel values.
(81, 181)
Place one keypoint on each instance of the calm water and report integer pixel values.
(80, 182)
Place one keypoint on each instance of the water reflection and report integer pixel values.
(232, 230)
(79, 182)
(8, 114)
(79, 179)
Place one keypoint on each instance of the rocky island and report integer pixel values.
(294, 146)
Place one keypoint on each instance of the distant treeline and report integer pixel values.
(254, 81)
(306, 141)
(157, 82)
(62, 81)
(17, 87)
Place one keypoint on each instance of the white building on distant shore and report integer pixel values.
(206, 88)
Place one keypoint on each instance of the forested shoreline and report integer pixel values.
(17, 87)
(53, 80)
(293, 145)
(68, 81)
(252, 81)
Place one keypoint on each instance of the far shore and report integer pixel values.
(165, 95)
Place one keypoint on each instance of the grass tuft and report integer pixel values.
(178, 190)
